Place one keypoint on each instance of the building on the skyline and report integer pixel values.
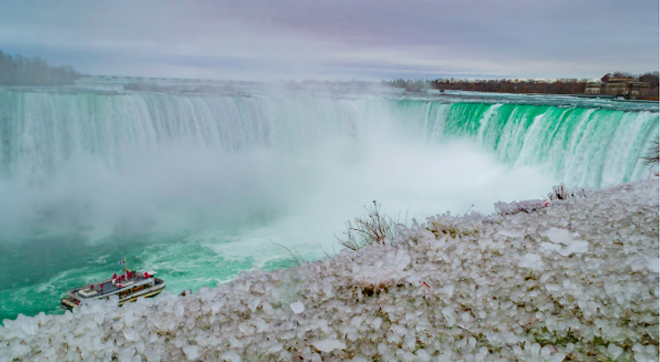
(627, 88)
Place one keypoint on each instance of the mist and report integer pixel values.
(294, 177)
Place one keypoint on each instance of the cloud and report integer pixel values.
(293, 39)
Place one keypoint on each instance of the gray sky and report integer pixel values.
(338, 39)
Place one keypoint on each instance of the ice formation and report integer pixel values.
(576, 279)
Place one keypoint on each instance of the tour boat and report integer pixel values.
(128, 286)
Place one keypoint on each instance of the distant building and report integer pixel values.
(619, 87)
(594, 87)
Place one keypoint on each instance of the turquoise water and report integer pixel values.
(200, 186)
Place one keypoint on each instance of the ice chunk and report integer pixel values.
(557, 357)
(254, 303)
(389, 270)
(274, 348)
(423, 355)
(449, 314)
(29, 326)
(376, 323)
(409, 343)
(578, 246)
(235, 343)
(297, 307)
(550, 246)
(328, 345)
(191, 352)
(564, 237)
(230, 357)
(511, 233)
(17, 351)
(448, 289)
(531, 261)
(130, 334)
(614, 351)
(559, 236)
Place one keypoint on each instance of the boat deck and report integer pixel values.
(106, 287)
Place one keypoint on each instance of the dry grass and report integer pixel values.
(374, 228)
(295, 259)
(439, 229)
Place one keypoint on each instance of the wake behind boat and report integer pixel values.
(128, 286)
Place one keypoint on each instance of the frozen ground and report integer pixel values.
(574, 280)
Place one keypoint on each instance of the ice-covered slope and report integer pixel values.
(576, 279)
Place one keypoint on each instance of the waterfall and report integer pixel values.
(197, 186)
(126, 162)
(580, 146)
(40, 132)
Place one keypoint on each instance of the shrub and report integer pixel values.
(374, 228)
(562, 192)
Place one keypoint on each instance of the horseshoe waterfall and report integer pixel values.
(203, 186)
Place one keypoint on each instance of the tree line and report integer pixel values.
(559, 86)
(19, 70)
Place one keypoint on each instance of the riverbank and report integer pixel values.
(575, 279)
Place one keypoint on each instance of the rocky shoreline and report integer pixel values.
(574, 279)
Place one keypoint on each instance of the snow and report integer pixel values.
(573, 279)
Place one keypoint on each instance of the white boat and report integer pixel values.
(128, 286)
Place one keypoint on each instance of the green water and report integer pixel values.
(37, 271)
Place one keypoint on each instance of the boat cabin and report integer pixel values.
(128, 287)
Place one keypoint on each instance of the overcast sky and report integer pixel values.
(337, 39)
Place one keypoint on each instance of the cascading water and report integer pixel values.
(586, 147)
(43, 131)
(198, 185)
